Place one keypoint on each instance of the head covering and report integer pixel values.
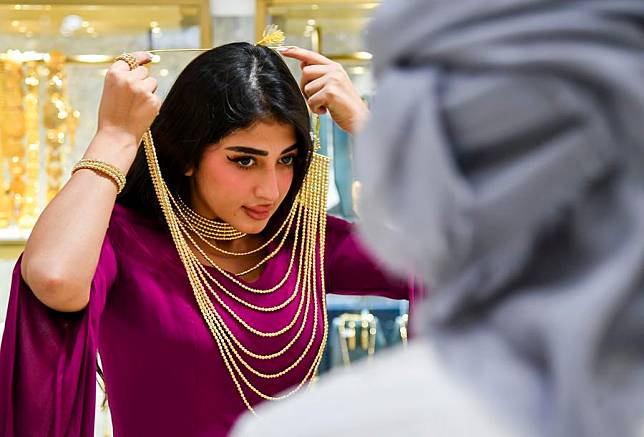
(503, 163)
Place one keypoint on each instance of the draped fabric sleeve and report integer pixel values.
(351, 270)
(48, 360)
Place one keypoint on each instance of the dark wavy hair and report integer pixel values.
(224, 89)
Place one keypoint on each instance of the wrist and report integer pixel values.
(359, 119)
(116, 148)
(117, 138)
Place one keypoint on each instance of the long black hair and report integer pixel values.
(224, 89)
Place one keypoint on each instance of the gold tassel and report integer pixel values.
(272, 36)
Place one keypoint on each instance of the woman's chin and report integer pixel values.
(252, 227)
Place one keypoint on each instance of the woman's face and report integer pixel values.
(244, 178)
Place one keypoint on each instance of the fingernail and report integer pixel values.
(282, 49)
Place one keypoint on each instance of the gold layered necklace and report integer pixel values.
(306, 223)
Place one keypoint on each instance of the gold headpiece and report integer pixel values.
(189, 230)
(272, 37)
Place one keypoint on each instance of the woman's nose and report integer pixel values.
(268, 187)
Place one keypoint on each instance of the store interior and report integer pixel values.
(53, 59)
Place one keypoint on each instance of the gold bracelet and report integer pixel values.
(103, 168)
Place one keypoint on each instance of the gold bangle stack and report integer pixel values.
(103, 168)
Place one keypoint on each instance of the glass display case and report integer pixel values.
(54, 57)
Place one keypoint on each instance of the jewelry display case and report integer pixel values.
(51, 72)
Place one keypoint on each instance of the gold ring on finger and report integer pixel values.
(129, 59)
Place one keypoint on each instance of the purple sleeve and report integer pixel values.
(352, 271)
(48, 360)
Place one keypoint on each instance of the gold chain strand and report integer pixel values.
(248, 288)
(288, 222)
(312, 279)
(233, 295)
(245, 324)
(282, 351)
(322, 163)
(261, 262)
(230, 361)
(309, 373)
(242, 285)
(212, 228)
(215, 229)
(226, 350)
(225, 331)
(186, 213)
(239, 299)
(205, 235)
(201, 221)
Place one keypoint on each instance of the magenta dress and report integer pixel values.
(163, 371)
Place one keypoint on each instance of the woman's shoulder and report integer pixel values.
(337, 227)
(128, 223)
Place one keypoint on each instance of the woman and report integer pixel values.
(121, 274)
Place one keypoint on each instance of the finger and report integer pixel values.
(313, 72)
(140, 57)
(317, 102)
(140, 73)
(311, 88)
(304, 55)
(149, 84)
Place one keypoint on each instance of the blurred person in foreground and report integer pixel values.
(504, 161)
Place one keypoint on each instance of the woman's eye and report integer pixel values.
(243, 161)
(287, 160)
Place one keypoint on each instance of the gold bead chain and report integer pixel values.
(287, 222)
(309, 238)
(210, 228)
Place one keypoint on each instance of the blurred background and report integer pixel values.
(53, 56)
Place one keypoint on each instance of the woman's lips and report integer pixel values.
(258, 213)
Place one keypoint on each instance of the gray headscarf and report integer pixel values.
(503, 162)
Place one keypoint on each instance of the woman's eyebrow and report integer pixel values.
(253, 151)
(249, 150)
(288, 149)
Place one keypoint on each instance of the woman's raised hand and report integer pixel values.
(128, 104)
(327, 87)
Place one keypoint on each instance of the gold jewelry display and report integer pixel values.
(403, 322)
(12, 130)
(348, 324)
(110, 171)
(4, 203)
(30, 206)
(20, 142)
(309, 236)
(55, 121)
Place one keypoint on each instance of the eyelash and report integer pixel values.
(238, 161)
